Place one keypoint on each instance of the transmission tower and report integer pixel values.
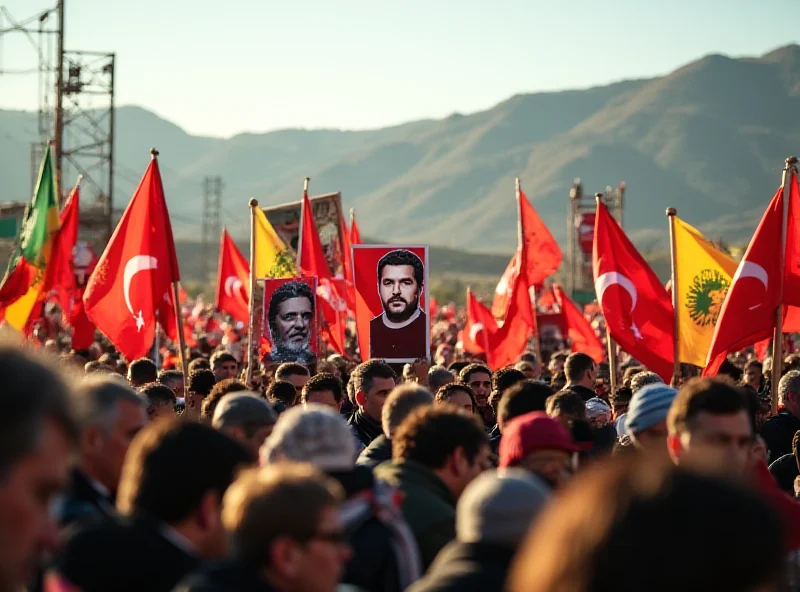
(212, 225)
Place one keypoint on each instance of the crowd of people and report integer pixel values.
(368, 476)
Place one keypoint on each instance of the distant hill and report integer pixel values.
(708, 139)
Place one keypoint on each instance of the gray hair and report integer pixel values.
(790, 383)
(438, 376)
(96, 401)
(33, 393)
(401, 403)
(243, 409)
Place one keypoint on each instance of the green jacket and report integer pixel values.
(429, 506)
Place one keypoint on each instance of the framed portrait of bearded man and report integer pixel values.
(290, 320)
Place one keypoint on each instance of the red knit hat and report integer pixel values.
(531, 432)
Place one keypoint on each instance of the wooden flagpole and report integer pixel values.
(789, 171)
(531, 289)
(673, 255)
(610, 342)
(252, 348)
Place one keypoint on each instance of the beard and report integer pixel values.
(402, 315)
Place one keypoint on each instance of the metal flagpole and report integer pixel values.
(252, 348)
(531, 289)
(673, 254)
(789, 171)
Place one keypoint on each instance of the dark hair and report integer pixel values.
(524, 397)
(438, 376)
(430, 435)
(323, 382)
(528, 357)
(221, 357)
(96, 366)
(288, 369)
(467, 372)
(201, 382)
(142, 371)
(629, 373)
(283, 393)
(403, 257)
(198, 364)
(566, 403)
(172, 465)
(222, 388)
(166, 376)
(617, 505)
(158, 394)
(712, 395)
(577, 365)
(643, 379)
(33, 392)
(446, 392)
(457, 367)
(796, 447)
(369, 371)
(505, 378)
(287, 291)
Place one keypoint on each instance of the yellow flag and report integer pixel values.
(703, 275)
(273, 259)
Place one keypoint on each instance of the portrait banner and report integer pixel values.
(391, 293)
(289, 331)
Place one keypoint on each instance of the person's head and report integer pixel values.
(457, 367)
(620, 399)
(141, 372)
(581, 370)
(282, 395)
(457, 394)
(96, 367)
(400, 282)
(402, 402)
(172, 379)
(789, 392)
(224, 365)
(220, 389)
(753, 375)
(498, 508)
(540, 445)
(629, 373)
(176, 473)
(283, 521)
(109, 414)
(324, 389)
(376, 381)
(636, 524)
(527, 368)
(646, 421)
(314, 434)
(201, 383)
(438, 376)
(290, 318)
(524, 397)
(710, 428)
(479, 378)
(37, 436)
(295, 373)
(161, 401)
(557, 362)
(558, 381)
(643, 379)
(198, 364)
(598, 413)
(566, 407)
(444, 354)
(245, 417)
(447, 440)
(504, 379)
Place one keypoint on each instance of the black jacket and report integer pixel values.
(82, 501)
(467, 567)
(124, 555)
(778, 432)
(224, 576)
(367, 429)
(785, 470)
(379, 451)
(582, 391)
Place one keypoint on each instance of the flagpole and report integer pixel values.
(300, 233)
(789, 170)
(673, 255)
(251, 323)
(531, 289)
(176, 298)
(610, 343)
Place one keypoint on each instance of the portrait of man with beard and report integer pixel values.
(400, 332)
(291, 323)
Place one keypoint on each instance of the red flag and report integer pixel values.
(355, 233)
(748, 312)
(311, 262)
(130, 289)
(582, 336)
(479, 324)
(347, 264)
(636, 307)
(233, 280)
(60, 274)
(504, 346)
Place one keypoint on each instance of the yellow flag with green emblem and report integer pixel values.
(273, 258)
(703, 275)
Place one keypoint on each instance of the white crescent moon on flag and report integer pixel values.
(134, 265)
(232, 284)
(753, 270)
(609, 279)
(474, 330)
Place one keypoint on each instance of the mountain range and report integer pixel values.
(709, 138)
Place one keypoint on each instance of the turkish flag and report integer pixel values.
(311, 262)
(581, 335)
(748, 312)
(636, 306)
(508, 342)
(130, 289)
(233, 280)
(479, 324)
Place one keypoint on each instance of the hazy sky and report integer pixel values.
(219, 68)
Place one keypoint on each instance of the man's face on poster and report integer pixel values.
(293, 323)
(399, 292)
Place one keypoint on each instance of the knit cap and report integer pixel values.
(649, 407)
(596, 407)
